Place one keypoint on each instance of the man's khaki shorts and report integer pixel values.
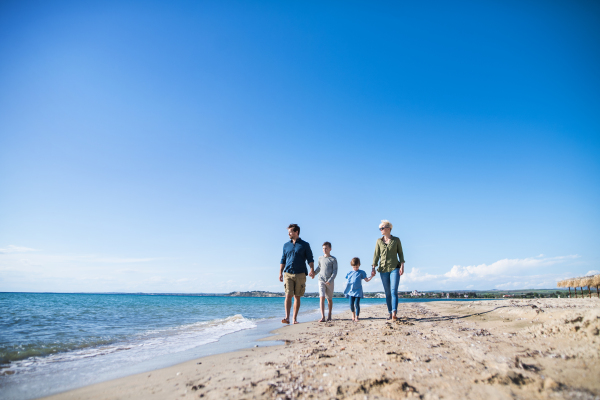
(326, 290)
(295, 284)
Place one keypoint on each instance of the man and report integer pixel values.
(296, 253)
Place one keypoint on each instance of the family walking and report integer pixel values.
(293, 272)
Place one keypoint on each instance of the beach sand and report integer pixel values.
(527, 349)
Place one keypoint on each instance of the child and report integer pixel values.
(328, 270)
(354, 287)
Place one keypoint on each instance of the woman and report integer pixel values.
(388, 253)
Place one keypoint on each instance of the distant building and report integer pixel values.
(508, 295)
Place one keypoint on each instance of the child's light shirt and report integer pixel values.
(354, 286)
(327, 268)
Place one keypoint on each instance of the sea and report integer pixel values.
(54, 342)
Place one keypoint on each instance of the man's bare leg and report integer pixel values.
(322, 304)
(296, 308)
(288, 305)
(330, 304)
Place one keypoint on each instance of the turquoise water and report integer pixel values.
(35, 325)
(51, 343)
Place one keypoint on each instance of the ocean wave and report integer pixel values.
(139, 347)
(29, 350)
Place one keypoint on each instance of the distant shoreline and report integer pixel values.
(432, 294)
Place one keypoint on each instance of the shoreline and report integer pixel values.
(45, 377)
(500, 349)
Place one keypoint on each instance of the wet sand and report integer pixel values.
(526, 349)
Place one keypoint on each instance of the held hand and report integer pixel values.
(280, 277)
(402, 269)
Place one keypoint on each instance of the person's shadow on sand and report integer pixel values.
(448, 317)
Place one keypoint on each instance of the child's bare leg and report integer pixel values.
(322, 304)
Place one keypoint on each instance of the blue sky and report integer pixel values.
(165, 146)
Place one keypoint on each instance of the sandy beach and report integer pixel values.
(529, 349)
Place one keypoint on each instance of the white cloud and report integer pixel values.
(415, 275)
(27, 269)
(508, 285)
(43, 259)
(592, 272)
(117, 260)
(16, 249)
(506, 266)
(531, 272)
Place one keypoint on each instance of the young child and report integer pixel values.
(327, 270)
(354, 287)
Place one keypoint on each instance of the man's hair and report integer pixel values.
(327, 244)
(355, 261)
(295, 228)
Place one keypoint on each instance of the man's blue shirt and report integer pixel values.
(295, 256)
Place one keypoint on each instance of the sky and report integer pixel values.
(165, 146)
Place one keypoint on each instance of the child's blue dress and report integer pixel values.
(354, 286)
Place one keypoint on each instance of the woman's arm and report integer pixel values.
(400, 252)
(401, 257)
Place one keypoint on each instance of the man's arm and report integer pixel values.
(282, 265)
(310, 260)
(312, 270)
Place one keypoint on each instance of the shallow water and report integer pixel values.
(50, 343)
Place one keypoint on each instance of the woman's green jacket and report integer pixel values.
(387, 254)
